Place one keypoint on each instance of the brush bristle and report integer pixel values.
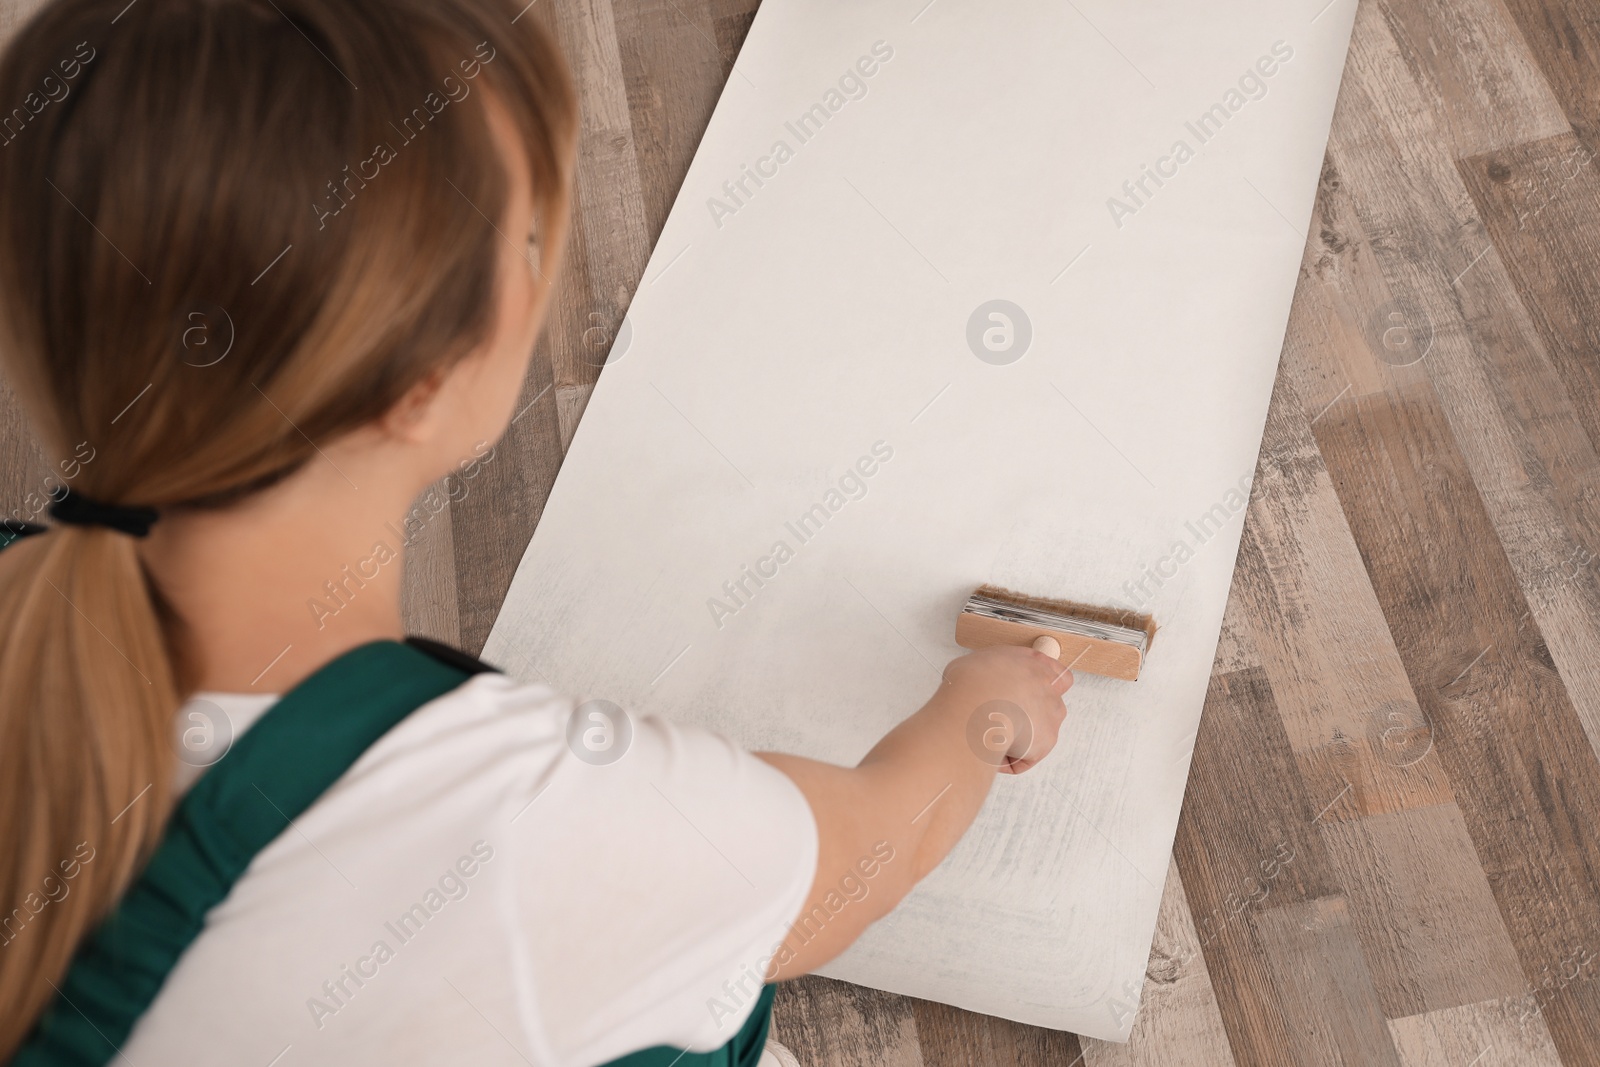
(1133, 620)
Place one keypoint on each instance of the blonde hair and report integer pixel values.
(177, 165)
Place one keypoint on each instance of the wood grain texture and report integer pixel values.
(1340, 689)
(823, 1021)
(1241, 848)
(1324, 989)
(1179, 1021)
(428, 586)
(1512, 411)
(610, 244)
(1564, 38)
(1388, 852)
(23, 464)
(1470, 53)
(950, 1037)
(1491, 1034)
(1236, 647)
(493, 524)
(1548, 192)
(1502, 719)
(1429, 928)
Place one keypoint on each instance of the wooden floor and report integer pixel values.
(1390, 848)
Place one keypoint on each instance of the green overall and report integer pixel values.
(274, 772)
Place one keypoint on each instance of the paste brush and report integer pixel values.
(1104, 641)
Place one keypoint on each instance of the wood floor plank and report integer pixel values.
(570, 402)
(732, 19)
(1514, 367)
(1246, 840)
(950, 1037)
(1387, 289)
(1564, 37)
(1492, 1034)
(1354, 725)
(1528, 463)
(1325, 990)
(836, 1024)
(1541, 204)
(1556, 549)
(1236, 647)
(25, 471)
(1470, 59)
(1178, 1020)
(610, 240)
(23, 464)
(674, 71)
(428, 605)
(1523, 436)
(1525, 777)
(1427, 921)
(1347, 703)
(492, 526)
(1528, 455)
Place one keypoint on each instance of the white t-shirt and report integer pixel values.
(472, 892)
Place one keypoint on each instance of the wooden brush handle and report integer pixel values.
(1108, 658)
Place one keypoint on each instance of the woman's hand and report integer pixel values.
(1015, 696)
(913, 796)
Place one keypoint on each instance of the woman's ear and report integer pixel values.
(415, 418)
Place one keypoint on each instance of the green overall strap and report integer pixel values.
(273, 773)
(744, 1050)
(276, 770)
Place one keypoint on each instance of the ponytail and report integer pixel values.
(206, 164)
(85, 736)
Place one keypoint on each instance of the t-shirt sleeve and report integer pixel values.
(656, 886)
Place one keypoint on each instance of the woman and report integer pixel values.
(268, 269)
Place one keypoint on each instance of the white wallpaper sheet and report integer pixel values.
(1029, 263)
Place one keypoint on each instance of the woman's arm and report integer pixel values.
(885, 823)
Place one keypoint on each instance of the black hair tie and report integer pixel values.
(75, 509)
